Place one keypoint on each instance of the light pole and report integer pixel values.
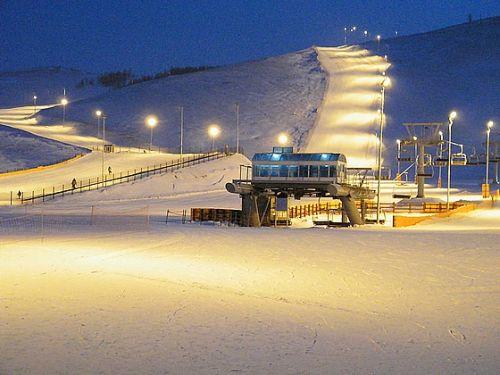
(489, 125)
(64, 102)
(237, 128)
(415, 153)
(378, 42)
(440, 156)
(103, 144)
(398, 142)
(213, 132)
(98, 114)
(151, 121)
(385, 82)
(345, 35)
(451, 117)
(34, 103)
(181, 109)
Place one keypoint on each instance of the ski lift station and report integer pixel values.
(283, 173)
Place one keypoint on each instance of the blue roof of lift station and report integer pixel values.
(269, 156)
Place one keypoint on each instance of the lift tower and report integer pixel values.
(422, 135)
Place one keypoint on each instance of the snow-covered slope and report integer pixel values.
(432, 73)
(20, 149)
(456, 68)
(203, 183)
(348, 116)
(276, 94)
(17, 88)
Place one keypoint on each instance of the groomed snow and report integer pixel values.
(204, 299)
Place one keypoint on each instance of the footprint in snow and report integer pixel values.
(457, 335)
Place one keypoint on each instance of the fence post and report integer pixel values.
(166, 217)
(11, 198)
(33, 197)
(43, 195)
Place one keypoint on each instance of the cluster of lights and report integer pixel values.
(366, 33)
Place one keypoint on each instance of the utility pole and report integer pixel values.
(103, 144)
(381, 134)
(451, 117)
(237, 128)
(181, 108)
(489, 125)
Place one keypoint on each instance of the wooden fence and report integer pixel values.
(216, 215)
(369, 207)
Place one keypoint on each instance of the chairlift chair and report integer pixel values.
(473, 158)
(440, 162)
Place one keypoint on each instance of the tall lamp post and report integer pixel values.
(34, 103)
(439, 184)
(451, 117)
(213, 132)
(98, 114)
(398, 142)
(489, 125)
(64, 102)
(151, 121)
(415, 153)
(103, 143)
(385, 82)
(237, 128)
(181, 109)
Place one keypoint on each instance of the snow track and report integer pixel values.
(348, 117)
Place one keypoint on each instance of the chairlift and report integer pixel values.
(459, 159)
(405, 160)
(473, 158)
(440, 162)
(427, 160)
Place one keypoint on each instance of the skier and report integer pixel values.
(73, 183)
(109, 169)
(19, 194)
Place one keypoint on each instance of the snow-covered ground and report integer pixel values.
(204, 299)
(88, 166)
(201, 185)
(20, 150)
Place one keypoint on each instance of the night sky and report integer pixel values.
(151, 35)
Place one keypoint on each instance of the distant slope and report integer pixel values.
(17, 88)
(456, 68)
(276, 94)
(20, 149)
